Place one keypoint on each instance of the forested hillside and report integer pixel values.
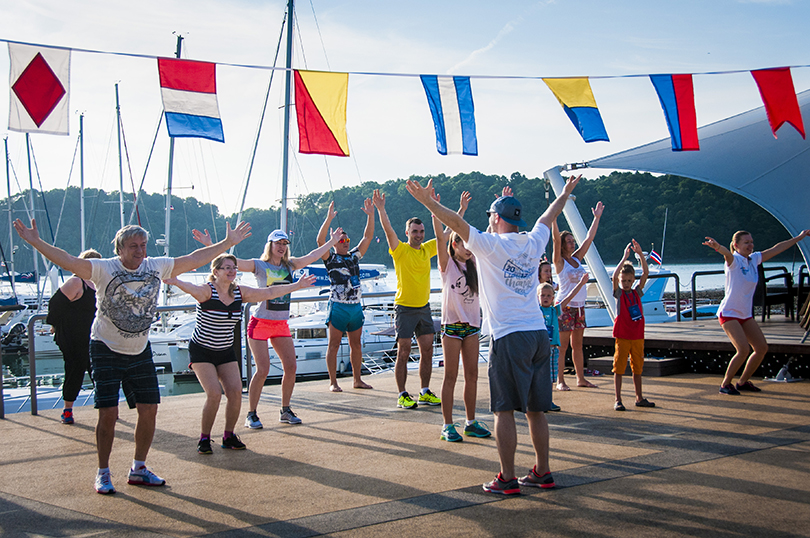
(634, 208)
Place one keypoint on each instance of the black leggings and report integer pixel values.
(77, 362)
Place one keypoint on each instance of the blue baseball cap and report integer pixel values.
(509, 209)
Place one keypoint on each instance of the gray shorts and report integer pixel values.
(409, 321)
(519, 376)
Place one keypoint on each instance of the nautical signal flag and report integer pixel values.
(40, 89)
(776, 88)
(677, 97)
(320, 105)
(578, 102)
(451, 105)
(654, 256)
(189, 90)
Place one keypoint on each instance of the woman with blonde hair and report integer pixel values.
(270, 319)
(71, 311)
(213, 358)
(736, 309)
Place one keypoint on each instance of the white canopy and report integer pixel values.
(740, 154)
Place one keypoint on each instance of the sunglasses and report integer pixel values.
(344, 240)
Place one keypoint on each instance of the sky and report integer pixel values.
(520, 125)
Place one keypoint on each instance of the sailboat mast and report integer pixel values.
(285, 166)
(81, 178)
(171, 169)
(10, 220)
(33, 214)
(664, 238)
(120, 164)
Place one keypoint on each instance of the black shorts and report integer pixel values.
(519, 376)
(217, 357)
(411, 320)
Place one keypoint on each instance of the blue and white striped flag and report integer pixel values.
(451, 105)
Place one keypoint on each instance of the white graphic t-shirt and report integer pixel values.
(507, 266)
(126, 301)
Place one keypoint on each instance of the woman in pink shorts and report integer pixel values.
(736, 309)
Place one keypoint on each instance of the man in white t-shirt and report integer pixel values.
(127, 289)
(519, 378)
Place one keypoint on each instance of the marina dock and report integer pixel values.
(699, 464)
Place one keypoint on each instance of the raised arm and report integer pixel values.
(390, 234)
(368, 233)
(303, 261)
(324, 229)
(80, 267)
(645, 269)
(201, 293)
(424, 195)
(582, 281)
(205, 238)
(255, 295)
(783, 246)
(442, 235)
(583, 248)
(556, 249)
(717, 247)
(618, 271)
(204, 255)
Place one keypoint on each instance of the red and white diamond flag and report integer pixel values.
(40, 84)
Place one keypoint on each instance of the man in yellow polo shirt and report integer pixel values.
(412, 267)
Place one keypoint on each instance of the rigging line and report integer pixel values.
(146, 167)
(42, 194)
(129, 166)
(64, 198)
(318, 26)
(8, 272)
(246, 182)
(382, 74)
(300, 40)
(21, 191)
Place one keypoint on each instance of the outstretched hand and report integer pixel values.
(422, 194)
(636, 247)
(378, 199)
(464, 202)
(204, 238)
(336, 235)
(368, 207)
(507, 191)
(570, 184)
(306, 281)
(597, 211)
(237, 235)
(711, 243)
(331, 213)
(29, 235)
(585, 278)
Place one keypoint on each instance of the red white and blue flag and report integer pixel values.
(654, 256)
(189, 91)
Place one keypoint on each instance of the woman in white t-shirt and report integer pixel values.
(568, 265)
(461, 326)
(736, 309)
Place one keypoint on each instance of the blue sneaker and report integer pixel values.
(449, 433)
(476, 429)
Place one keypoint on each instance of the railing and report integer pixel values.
(2, 402)
(694, 288)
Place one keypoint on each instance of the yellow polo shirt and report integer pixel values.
(412, 267)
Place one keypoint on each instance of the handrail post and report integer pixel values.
(248, 354)
(677, 296)
(694, 295)
(32, 360)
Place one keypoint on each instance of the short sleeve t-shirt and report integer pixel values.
(741, 283)
(268, 275)
(551, 317)
(126, 301)
(412, 267)
(507, 267)
(344, 275)
(459, 303)
(623, 326)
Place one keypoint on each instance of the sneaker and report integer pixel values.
(144, 477)
(289, 417)
(536, 481)
(747, 387)
(555, 407)
(504, 487)
(619, 406)
(476, 429)
(252, 421)
(644, 402)
(729, 389)
(204, 447)
(104, 484)
(449, 433)
(67, 415)
(233, 443)
(406, 402)
(430, 399)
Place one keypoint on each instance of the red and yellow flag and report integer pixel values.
(320, 104)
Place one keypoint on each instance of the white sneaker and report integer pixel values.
(252, 421)
(144, 477)
(104, 484)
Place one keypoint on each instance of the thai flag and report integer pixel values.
(451, 105)
(189, 91)
(654, 256)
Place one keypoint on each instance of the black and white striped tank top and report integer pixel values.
(215, 320)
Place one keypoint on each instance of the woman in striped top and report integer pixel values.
(213, 358)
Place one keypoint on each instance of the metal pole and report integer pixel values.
(596, 266)
(120, 164)
(169, 190)
(286, 141)
(81, 180)
(33, 215)
(10, 219)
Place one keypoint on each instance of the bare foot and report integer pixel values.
(563, 387)
(586, 384)
(362, 385)
(335, 388)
